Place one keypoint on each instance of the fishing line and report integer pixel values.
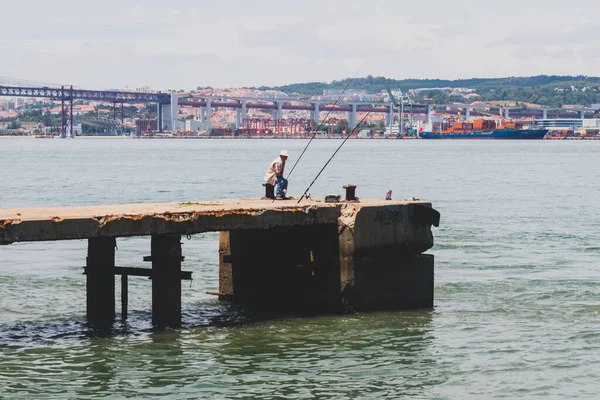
(325, 119)
(338, 149)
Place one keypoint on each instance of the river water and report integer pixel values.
(517, 293)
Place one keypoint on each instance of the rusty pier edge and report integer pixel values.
(273, 255)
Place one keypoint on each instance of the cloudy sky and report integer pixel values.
(181, 44)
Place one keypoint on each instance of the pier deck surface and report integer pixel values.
(121, 220)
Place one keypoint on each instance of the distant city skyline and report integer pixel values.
(184, 44)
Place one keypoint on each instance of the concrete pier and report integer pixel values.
(321, 256)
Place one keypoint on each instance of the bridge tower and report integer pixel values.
(174, 111)
(66, 115)
(352, 117)
(315, 112)
(208, 114)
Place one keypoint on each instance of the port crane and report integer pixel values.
(404, 99)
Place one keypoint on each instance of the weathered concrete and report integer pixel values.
(39, 224)
(363, 255)
(381, 265)
(369, 259)
(225, 266)
(289, 268)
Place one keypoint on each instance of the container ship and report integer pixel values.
(482, 129)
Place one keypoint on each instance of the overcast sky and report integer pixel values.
(181, 44)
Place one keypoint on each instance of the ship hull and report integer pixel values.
(508, 134)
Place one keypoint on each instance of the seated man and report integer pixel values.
(274, 175)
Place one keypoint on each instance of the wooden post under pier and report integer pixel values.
(100, 281)
(166, 280)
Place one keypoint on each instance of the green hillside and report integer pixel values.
(548, 90)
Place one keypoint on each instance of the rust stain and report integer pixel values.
(6, 223)
(190, 216)
(103, 220)
(56, 219)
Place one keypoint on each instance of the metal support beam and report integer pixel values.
(82, 94)
(66, 116)
(100, 281)
(166, 280)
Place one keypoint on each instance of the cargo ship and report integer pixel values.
(482, 129)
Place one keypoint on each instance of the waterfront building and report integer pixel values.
(568, 123)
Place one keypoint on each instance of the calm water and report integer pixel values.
(517, 289)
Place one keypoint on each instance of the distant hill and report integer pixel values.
(551, 90)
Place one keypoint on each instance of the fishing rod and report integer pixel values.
(338, 149)
(320, 126)
(327, 115)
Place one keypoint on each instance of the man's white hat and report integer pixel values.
(284, 153)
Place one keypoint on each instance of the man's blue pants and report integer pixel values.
(280, 186)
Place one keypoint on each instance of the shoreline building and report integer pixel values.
(568, 123)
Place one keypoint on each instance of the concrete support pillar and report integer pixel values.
(370, 260)
(208, 115)
(159, 117)
(100, 281)
(282, 269)
(381, 265)
(279, 110)
(544, 114)
(506, 113)
(582, 114)
(238, 119)
(244, 110)
(467, 113)
(167, 122)
(201, 113)
(352, 117)
(174, 110)
(316, 113)
(166, 280)
(225, 266)
(428, 115)
(390, 116)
